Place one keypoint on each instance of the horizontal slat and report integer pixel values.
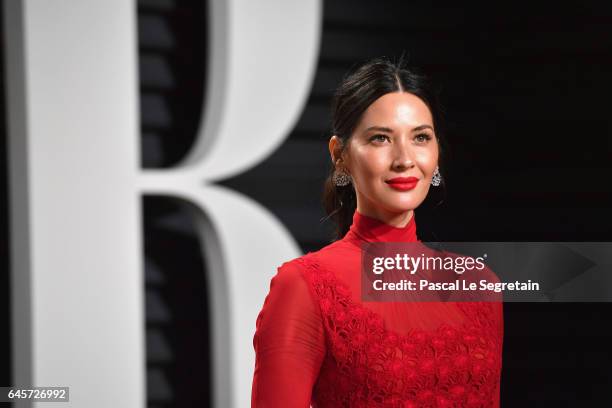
(156, 309)
(158, 349)
(155, 111)
(162, 5)
(155, 72)
(158, 386)
(154, 276)
(154, 33)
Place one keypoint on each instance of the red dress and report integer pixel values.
(317, 343)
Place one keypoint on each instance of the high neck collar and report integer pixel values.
(365, 228)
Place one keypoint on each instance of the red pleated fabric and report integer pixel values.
(317, 344)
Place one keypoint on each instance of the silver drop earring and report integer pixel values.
(341, 178)
(436, 179)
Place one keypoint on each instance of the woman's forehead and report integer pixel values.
(397, 109)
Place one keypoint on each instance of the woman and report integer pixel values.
(316, 341)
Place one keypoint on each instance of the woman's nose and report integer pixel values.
(402, 157)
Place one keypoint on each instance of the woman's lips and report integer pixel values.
(403, 183)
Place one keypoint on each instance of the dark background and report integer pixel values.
(526, 90)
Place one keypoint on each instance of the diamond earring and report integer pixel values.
(341, 178)
(436, 179)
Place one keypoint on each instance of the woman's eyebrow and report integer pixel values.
(380, 128)
(416, 129)
(389, 130)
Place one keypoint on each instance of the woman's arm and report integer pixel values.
(289, 343)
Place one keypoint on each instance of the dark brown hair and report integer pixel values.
(357, 91)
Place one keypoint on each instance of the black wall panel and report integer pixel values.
(526, 93)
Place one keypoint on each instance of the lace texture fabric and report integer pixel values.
(376, 367)
(317, 344)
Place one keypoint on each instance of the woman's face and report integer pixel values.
(394, 139)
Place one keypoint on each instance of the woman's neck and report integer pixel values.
(398, 220)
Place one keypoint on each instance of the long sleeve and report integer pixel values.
(289, 343)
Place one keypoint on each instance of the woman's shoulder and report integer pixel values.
(330, 251)
(294, 277)
(289, 280)
(294, 268)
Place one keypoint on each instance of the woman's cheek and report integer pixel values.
(428, 165)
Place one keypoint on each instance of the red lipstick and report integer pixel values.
(403, 183)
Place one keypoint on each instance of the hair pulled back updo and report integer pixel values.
(357, 91)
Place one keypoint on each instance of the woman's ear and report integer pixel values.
(335, 148)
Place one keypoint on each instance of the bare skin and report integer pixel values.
(394, 138)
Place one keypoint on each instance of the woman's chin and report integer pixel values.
(400, 208)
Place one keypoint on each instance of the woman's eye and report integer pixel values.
(377, 138)
(422, 137)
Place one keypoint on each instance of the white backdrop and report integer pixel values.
(76, 186)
